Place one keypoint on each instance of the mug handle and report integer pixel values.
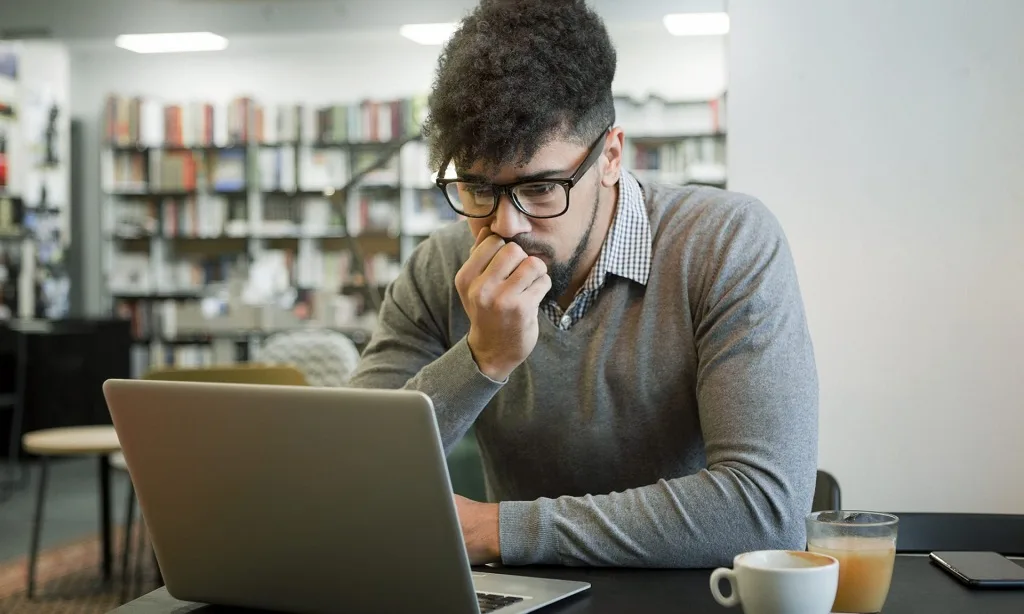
(716, 579)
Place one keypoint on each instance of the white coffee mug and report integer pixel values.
(779, 582)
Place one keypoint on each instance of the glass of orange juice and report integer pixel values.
(864, 543)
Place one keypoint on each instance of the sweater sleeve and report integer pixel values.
(757, 393)
(411, 349)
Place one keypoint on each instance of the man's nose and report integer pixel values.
(508, 221)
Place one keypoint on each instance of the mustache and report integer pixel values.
(531, 247)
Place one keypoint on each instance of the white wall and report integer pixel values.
(319, 68)
(888, 137)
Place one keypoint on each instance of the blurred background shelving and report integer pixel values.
(225, 222)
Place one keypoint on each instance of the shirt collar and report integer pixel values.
(627, 250)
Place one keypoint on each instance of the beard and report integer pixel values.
(561, 273)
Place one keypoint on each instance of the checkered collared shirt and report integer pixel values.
(626, 252)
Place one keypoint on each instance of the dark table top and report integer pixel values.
(917, 587)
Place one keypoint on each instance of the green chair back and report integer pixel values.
(279, 375)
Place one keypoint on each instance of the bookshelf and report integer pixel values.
(226, 222)
(675, 141)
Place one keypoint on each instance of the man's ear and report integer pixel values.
(611, 159)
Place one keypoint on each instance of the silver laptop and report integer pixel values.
(305, 500)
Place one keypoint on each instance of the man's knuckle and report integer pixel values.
(504, 303)
(477, 291)
(493, 243)
(517, 307)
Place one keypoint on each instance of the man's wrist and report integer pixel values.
(494, 536)
(493, 373)
(496, 374)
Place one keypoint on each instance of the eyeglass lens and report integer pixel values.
(539, 198)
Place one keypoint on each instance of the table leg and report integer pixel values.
(18, 417)
(105, 519)
(37, 524)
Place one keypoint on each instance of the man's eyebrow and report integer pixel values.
(531, 177)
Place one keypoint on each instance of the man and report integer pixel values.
(634, 358)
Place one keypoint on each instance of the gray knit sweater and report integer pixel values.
(675, 425)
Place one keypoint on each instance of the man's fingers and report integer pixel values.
(538, 289)
(481, 256)
(528, 271)
(505, 262)
(480, 236)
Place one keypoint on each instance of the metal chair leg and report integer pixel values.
(156, 566)
(126, 542)
(140, 550)
(37, 524)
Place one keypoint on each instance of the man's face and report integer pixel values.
(561, 241)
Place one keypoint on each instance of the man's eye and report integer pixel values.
(479, 189)
(537, 189)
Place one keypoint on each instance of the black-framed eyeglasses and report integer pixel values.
(536, 198)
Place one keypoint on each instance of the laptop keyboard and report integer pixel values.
(490, 603)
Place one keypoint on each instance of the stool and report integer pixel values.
(100, 441)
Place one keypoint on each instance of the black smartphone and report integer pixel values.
(981, 569)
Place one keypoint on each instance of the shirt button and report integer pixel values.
(566, 321)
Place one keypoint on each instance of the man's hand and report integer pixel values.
(479, 523)
(501, 288)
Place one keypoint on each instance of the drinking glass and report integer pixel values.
(864, 543)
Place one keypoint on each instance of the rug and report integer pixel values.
(68, 581)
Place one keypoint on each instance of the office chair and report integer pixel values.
(326, 358)
(827, 495)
